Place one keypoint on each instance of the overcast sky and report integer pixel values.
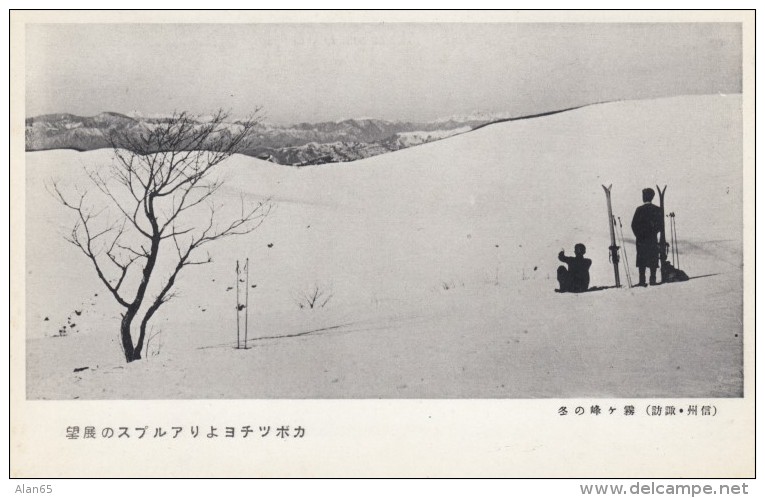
(324, 72)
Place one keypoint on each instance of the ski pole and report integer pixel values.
(624, 243)
(677, 246)
(624, 247)
(662, 234)
(671, 237)
(246, 298)
(674, 240)
(674, 228)
(626, 260)
(237, 304)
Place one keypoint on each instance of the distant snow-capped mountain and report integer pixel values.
(298, 144)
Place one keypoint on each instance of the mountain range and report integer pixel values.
(297, 145)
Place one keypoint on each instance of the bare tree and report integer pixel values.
(158, 186)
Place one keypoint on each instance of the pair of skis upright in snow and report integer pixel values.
(614, 249)
(663, 246)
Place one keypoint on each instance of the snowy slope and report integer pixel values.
(441, 260)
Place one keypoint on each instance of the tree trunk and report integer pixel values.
(156, 304)
(142, 331)
(134, 353)
(131, 354)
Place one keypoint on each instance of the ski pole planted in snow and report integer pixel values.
(673, 240)
(662, 233)
(674, 237)
(626, 261)
(246, 298)
(237, 304)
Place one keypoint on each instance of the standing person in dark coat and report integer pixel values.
(646, 225)
(577, 277)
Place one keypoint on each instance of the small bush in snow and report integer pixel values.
(314, 298)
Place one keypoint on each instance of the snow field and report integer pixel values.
(441, 262)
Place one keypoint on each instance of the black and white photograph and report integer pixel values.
(368, 210)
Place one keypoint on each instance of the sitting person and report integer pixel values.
(577, 277)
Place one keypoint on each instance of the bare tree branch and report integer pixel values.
(86, 245)
(158, 174)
